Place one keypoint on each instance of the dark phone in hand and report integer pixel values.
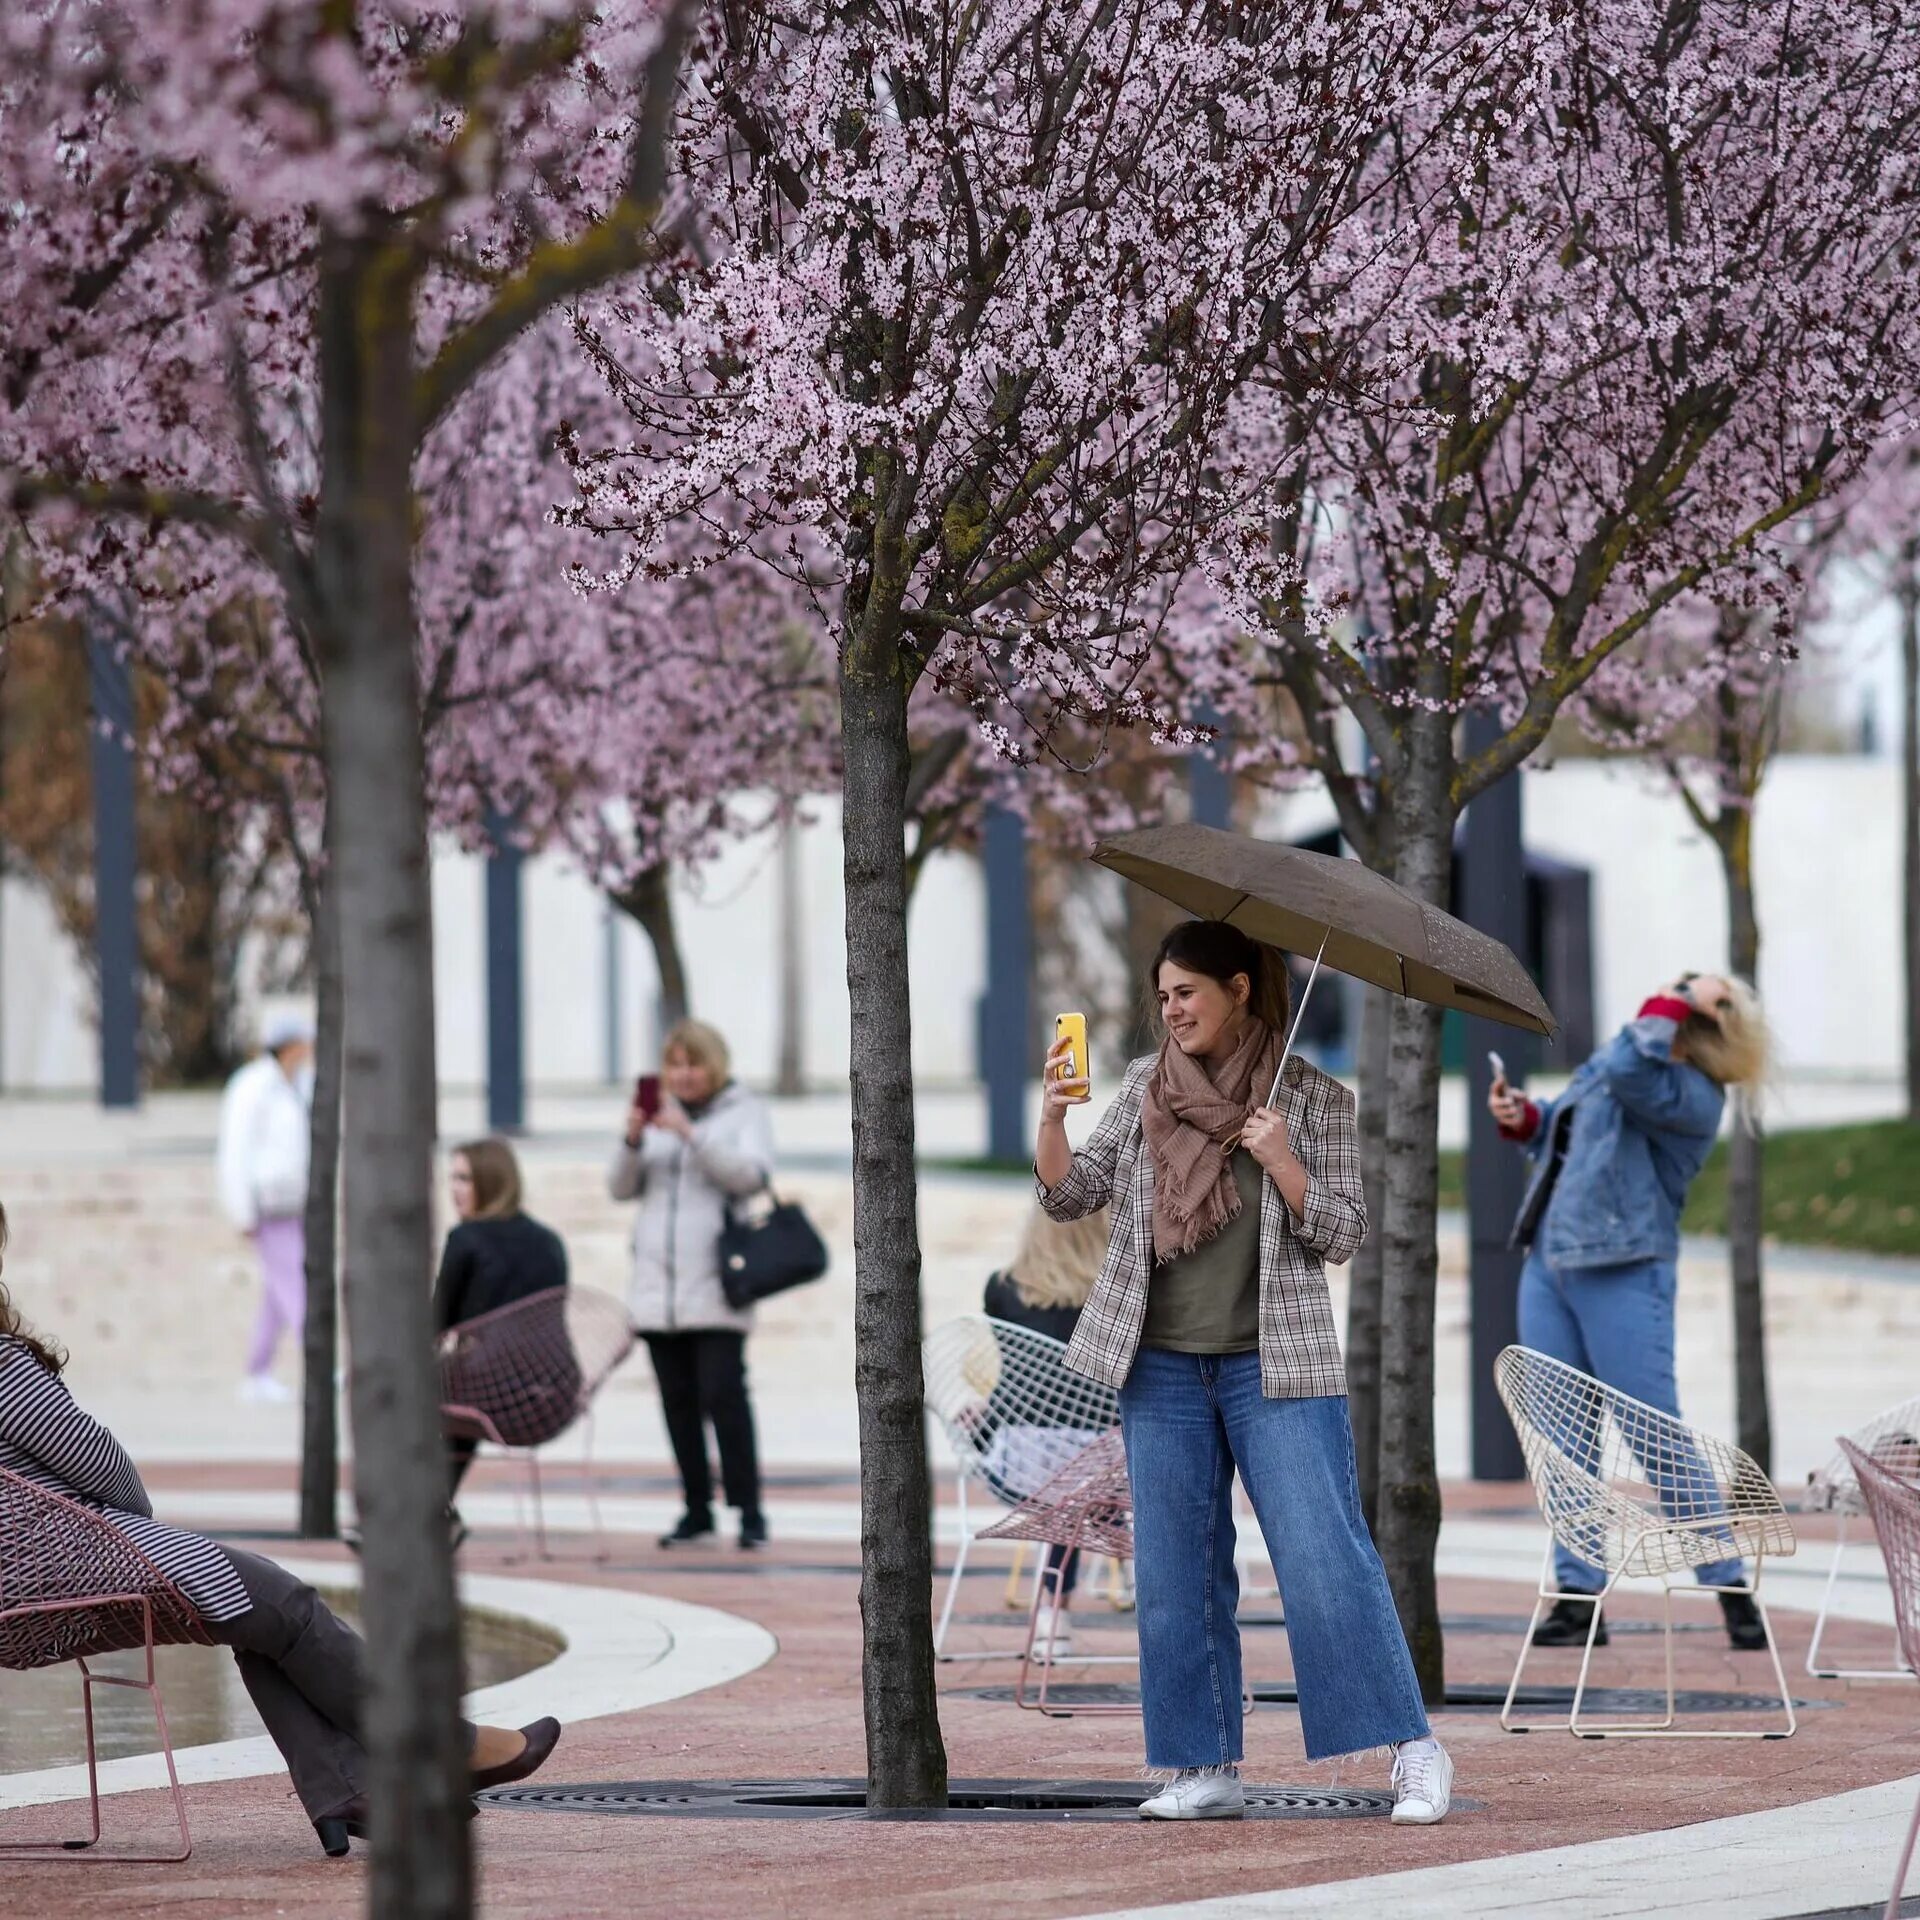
(646, 1094)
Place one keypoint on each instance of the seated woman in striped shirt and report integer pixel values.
(303, 1667)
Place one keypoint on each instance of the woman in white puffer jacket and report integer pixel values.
(711, 1142)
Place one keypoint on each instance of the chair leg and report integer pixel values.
(539, 1505)
(953, 1579)
(600, 1547)
(1905, 1861)
(1542, 1595)
(1899, 1672)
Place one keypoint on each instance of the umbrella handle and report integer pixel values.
(1299, 1014)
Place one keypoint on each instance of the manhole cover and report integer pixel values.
(844, 1799)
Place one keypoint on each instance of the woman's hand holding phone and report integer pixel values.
(1057, 1094)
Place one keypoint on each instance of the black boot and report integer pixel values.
(1566, 1625)
(1745, 1629)
(691, 1526)
(753, 1531)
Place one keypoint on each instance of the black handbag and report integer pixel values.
(767, 1246)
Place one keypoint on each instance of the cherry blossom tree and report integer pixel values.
(975, 290)
(1671, 310)
(257, 253)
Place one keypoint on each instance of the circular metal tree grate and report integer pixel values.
(843, 1799)
(1065, 1696)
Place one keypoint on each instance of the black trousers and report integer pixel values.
(703, 1379)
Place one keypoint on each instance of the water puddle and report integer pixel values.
(40, 1716)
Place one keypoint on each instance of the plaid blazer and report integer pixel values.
(1299, 1348)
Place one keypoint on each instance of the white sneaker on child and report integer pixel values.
(1198, 1795)
(1422, 1783)
(1052, 1635)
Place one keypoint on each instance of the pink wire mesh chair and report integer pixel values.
(1085, 1506)
(1892, 1440)
(1640, 1495)
(521, 1375)
(1892, 1501)
(1014, 1416)
(73, 1587)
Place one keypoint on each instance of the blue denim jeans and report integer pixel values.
(1190, 1419)
(1615, 1323)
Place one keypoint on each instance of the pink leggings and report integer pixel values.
(282, 1246)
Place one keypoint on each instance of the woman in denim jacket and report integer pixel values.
(1613, 1158)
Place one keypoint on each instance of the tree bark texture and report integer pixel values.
(421, 1868)
(648, 899)
(1745, 1192)
(319, 1428)
(906, 1759)
(1908, 594)
(1365, 1275)
(1409, 1493)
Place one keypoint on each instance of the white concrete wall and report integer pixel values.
(1827, 853)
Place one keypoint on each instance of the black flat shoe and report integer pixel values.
(688, 1529)
(541, 1738)
(753, 1532)
(1745, 1629)
(1567, 1623)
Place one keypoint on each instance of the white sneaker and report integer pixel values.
(1194, 1795)
(263, 1386)
(1422, 1783)
(1052, 1635)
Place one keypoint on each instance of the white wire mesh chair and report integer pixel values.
(1889, 1439)
(1013, 1415)
(1892, 1502)
(1642, 1496)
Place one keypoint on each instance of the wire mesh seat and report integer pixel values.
(1892, 1440)
(1641, 1495)
(1891, 1499)
(73, 1587)
(1084, 1506)
(1013, 1415)
(521, 1375)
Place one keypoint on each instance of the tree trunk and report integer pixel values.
(1908, 594)
(1745, 1198)
(319, 1431)
(370, 701)
(791, 1073)
(648, 899)
(1364, 1276)
(1409, 1495)
(906, 1760)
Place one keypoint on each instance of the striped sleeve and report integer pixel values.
(1088, 1183)
(1333, 1219)
(41, 1419)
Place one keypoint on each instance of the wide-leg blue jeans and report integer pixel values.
(1190, 1420)
(1616, 1323)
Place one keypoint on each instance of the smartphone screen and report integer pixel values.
(646, 1093)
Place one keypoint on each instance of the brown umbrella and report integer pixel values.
(1353, 919)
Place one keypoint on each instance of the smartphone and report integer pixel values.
(1498, 1065)
(646, 1095)
(1072, 1028)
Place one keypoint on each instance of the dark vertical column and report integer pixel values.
(1210, 789)
(506, 1073)
(115, 859)
(1494, 899)
(1006, 1023)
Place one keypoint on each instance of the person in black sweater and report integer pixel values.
(1043, 1290)
(495, 1256)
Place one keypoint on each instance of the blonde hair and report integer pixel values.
(1736, 1048)
(496, 1177)
(1059, 1261)
(704, 1046)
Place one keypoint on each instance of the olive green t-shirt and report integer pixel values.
(1208, 1301)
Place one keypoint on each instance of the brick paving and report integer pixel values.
(800, 1717)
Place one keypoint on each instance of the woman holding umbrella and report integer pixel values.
(1211, 1317)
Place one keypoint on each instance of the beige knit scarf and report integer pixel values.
(1192, 1114)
